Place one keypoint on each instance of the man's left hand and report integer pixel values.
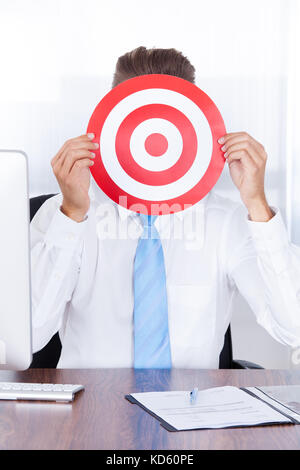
(247, 162)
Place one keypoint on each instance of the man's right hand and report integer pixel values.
(71, 169)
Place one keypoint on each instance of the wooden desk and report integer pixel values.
(100, 417)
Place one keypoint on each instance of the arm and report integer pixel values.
(262, 263)
(265, 268)
(57, 238)
(56, 245)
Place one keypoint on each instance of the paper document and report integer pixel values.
(285, 398)
(218, 407)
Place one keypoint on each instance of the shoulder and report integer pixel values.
(44, 208)
(228, 215)
(224, 207)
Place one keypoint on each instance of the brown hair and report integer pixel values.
(142, 61)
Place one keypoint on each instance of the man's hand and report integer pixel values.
(71, 169)
(247, 161)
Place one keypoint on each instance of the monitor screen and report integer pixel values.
(15, 295)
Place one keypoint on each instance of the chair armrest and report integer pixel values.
(238, 364)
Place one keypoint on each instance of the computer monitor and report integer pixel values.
(15, 293)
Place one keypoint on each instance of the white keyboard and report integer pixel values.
(35, 391)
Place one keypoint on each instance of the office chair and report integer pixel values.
(48, 357)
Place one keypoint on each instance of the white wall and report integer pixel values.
(57, 61)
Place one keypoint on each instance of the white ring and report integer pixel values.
(130, 185)
(140, 154)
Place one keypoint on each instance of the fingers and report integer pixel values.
(235, 137)
(83, 141)
(230, 135)
(81, 144)
(63, 166)
(62, 149)
(73, 150)
(79, 165)
(73, 146)
(242, 144)
(73, 156)
(243, 156)
(238, 136)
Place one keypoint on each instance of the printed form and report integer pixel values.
(218, 407)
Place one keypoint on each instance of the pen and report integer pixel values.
(193, 395)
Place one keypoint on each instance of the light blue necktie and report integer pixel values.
(151, 330)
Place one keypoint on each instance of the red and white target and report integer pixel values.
(158, 144)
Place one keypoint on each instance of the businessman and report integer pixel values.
(162, 301)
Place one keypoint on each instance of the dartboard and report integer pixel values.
(158, 144)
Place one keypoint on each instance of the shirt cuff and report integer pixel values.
(64, 232)
(271, 238)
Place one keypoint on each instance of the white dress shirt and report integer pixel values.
(82, 279)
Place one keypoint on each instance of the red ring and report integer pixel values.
(176, 171)
(213, 116)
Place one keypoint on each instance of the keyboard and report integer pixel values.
(36, 391)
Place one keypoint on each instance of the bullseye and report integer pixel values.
(156, 144)
(131, 161)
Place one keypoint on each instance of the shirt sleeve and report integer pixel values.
(265, 267)
(56, 247)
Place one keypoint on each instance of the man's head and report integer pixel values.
(142, 61)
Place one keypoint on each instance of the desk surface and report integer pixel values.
(101, 418)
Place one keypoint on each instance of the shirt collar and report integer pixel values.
(125, 213)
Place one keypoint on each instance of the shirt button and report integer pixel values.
(70, 236)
